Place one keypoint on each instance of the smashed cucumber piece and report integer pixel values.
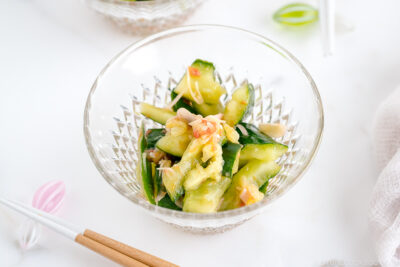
(257, 145)
(266, 152)
(166, 202)
(145, 176)
(208, 109)
(173, 177)
(182, 103)
(230, 154)
(253, 175)
(160, 115)
(157, 180)
(147, 179)
(199, 174)
(174, 145)
(263, 188)
(152, 136)
(203, 109)
(240, 105)
(252, 135)
(203, 80)
(207, 197)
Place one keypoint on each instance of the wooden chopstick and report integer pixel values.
(112, 249)
(107, 252)
(129, 251)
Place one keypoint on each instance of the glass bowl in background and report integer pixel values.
(144, 17)
(147, 71)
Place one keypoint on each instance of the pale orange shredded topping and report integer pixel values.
(196, 95)
(208, 126)
(176, 99)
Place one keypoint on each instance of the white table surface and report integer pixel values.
(51, 52)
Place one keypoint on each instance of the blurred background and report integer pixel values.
(52, 51)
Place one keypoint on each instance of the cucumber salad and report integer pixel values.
(205, 158)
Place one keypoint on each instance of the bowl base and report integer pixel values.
(207, 230)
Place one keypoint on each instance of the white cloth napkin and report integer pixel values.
(385, 205)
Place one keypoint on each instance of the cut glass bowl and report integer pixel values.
(147, 71)
(144, 17)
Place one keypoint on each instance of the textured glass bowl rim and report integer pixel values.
(223, 214)
(150, 3)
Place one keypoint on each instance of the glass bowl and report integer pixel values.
(148, 69)
(144, 17)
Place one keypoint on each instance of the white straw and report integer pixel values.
(327, 23)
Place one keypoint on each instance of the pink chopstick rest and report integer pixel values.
(48, 198)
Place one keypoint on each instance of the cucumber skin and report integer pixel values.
(203, 64)
(153, 136)
(142, 140)
(166, 202)
(256, 139)
(250, 104)
(181, 103)
(263, 188)
(202, 109)
(266, 152)
(254, 135)
(148, 180)
(157, 182)
(248, 172)
(208, 109)
(246, 112)
(209, 97)
(162, 114)
(180, 144)
(145, 169)
(229, 154)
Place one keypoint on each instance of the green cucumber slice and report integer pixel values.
(230, 155)
(174, 145)
(206, 198)
(208, 109)
(258, 145)
(224, 140)
(196, 176)
(199, 174)
(253, 135)
(209, 87)
(157, 180)
(255, 172)
(240, 105)
(166, 202)
(160, 115)
(265, 152)
(147, 179)
(145, 176)
(173, 177)
(263, 188)
(182, 103)
(153, 135)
